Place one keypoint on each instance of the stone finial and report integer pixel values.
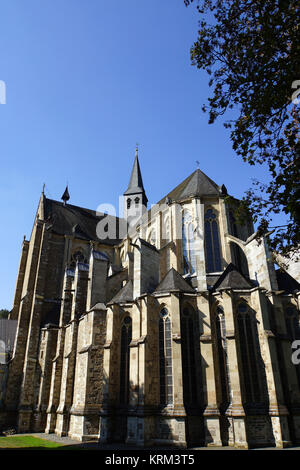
(66, 196)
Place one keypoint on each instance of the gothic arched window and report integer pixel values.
(188, 244)
(126, 337)
(77, 256)
(165, 358)
(212, 243)
(137, 200)
(189, 357)
(221, 343)
(248, 338)
(128, 203)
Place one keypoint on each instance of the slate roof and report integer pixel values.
(211, 280)
(232, 278)
(136, 182)
(173, 281)
(197, 184)
(124, 295)
(73, 220)
(286, 282)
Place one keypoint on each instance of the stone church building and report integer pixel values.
(168, 326)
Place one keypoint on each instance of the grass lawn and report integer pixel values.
(28, 442)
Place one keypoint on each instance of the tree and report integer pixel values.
(4, 313)
(249, 49)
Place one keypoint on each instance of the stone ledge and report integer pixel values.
(85, 349)
(136, 342)
(88, 348)
(205, 338)
(66, 356)
(176, 337)
(230, 334)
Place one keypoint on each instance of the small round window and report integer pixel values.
(164, 313)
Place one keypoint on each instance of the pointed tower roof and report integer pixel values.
(173, 281)
(136, 182)
(66, 196)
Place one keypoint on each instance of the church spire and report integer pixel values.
(136, 182)
(135, 199)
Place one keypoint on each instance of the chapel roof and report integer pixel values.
(232, 278)
(173, 281)
(124, 295)
(67, 219)
(196, 184)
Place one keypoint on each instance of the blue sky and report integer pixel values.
(86, 80)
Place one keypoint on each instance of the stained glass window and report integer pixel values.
(165, 358)
(248, 338)
(188, 244)
(126, 337)
(221, 343)
(189, 366)
(77, 256)
(212, 243)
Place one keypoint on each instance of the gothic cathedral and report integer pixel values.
(168, 326)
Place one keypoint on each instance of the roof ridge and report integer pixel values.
(91, 211)
(211, 181)
(200, 183)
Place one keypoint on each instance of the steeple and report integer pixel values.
(135, 199)
(136, 181)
